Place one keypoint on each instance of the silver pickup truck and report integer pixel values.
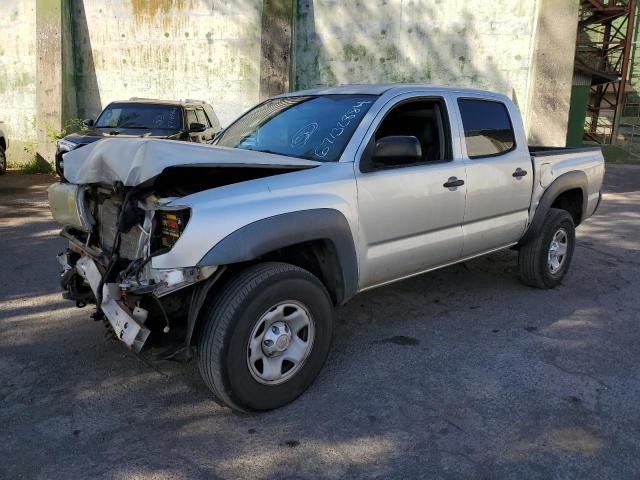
(240, 250)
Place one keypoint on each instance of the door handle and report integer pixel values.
(453, 182)
(519, 173)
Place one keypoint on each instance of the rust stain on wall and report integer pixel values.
(144, 10)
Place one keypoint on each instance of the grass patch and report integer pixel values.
(615, 154)
(37, 164)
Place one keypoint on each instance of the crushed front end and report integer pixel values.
(114, 232)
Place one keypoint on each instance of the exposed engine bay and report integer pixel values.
(115, 231)
(124, 204)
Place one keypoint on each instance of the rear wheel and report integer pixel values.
(266, 337)
(545, 259)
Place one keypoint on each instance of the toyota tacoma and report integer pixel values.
(246, 246)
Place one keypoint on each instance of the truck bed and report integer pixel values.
(552, 162)
(541, 151)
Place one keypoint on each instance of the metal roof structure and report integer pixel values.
(603, 52)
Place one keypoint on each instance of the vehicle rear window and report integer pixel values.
(487, 127)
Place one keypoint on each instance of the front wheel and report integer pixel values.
(266, 337)
(545, 259)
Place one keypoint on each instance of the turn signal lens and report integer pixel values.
(171, 226)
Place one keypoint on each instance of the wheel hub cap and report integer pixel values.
(276, 339)
(557, 250)
(280, 342)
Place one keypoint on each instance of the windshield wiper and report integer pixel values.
(140, 127)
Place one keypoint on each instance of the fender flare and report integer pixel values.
(566, 181)
(287, 229)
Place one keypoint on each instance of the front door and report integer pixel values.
(209, 133)
(411, 215)
(191, 119)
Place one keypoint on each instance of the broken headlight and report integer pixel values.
(169, 227)
(68, 204)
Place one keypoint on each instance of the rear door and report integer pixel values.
(410, 221)
(499, 174)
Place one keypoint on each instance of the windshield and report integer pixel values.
(310, 127)
(140, 115)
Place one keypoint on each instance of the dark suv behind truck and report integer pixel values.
(187, 120)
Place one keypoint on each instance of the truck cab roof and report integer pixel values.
(154, 101)
(393, 88)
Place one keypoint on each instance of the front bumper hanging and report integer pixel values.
(128, 325)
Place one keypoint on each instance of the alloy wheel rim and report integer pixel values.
(280, 343)
(558, 250)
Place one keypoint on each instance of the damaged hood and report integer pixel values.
(133, 161)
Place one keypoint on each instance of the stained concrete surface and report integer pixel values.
(461, 373)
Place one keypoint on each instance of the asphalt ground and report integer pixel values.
(460, 373)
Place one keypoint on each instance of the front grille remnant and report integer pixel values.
(108, 223)
(108, 227)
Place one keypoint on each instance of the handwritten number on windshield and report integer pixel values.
(302, 136)
(324, 148)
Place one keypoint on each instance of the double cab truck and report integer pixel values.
(186, 120)
(241, 250)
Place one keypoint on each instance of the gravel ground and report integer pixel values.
(460, 373)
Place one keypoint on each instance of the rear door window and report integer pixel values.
(487, 127)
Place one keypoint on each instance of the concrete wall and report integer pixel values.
(169, 49)
(485, 44)
(276, 47)
(231, 53)
(18, 74)
(552, 72)
(55, 89)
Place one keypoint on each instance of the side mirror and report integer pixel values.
(197, 127)
(88, 122)
(397, 150)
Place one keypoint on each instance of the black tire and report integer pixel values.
(3, 161)
(223, 350)
(533, 260)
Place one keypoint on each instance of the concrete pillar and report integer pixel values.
(276, 47)
(552, 72)
(55, 95)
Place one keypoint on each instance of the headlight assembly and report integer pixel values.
(65, 145)
(170, 226)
